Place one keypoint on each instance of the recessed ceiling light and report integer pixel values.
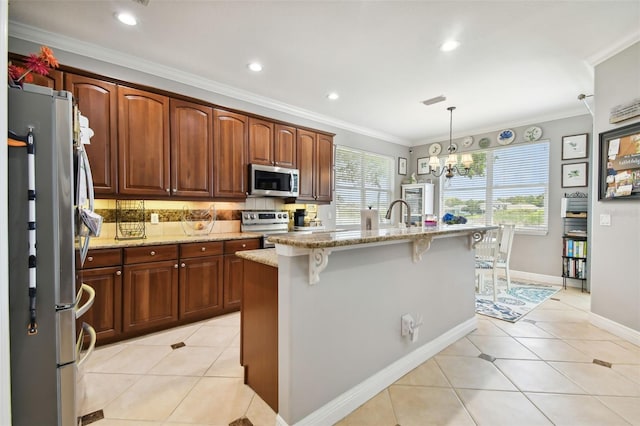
(126, 18)
(255, 67)
(333, 96)
(450, 45)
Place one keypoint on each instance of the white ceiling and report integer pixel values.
(520, 62)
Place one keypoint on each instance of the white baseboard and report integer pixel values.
(547, 279)
(613, 327)
(344, 404)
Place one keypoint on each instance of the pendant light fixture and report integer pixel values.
(451, 164)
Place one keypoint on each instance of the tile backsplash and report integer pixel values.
(170, 214)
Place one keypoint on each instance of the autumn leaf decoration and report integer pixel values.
(39, 64)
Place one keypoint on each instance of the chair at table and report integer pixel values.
(494, 252)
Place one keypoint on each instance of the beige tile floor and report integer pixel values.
(543, 374)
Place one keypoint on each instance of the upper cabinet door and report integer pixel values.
(191, 149)
(324, 167)
(143, 143)
(260, 142)
(306, 142)
(284, 151)
(97, 100)
(230, 154)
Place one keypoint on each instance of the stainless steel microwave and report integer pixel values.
(273, 181)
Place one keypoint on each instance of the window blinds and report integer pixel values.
(362, 179)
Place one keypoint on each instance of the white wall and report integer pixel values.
(5, 383)
(536, 254)
(615, 252)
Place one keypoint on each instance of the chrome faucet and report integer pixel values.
(393, 203)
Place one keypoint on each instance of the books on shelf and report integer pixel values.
(575, 268)
(575, 248)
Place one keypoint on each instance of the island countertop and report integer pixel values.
(350, 238)
(264, 256)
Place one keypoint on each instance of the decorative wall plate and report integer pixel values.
(506, 136)
(435, 149)
(467, 142)
(532, 134)
(484, 143)
(452, 149)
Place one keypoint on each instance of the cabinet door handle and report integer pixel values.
(244, 245)
(90, 259)
(153, 253)
(203, 249)
(175, 266)
(182, 265)
(175, 190)
(118, 273)
(167, 189)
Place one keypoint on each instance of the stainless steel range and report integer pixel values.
(266, 223)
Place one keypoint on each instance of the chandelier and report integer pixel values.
(451, 166)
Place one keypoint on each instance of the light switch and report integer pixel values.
(154, 218)
(605, 219)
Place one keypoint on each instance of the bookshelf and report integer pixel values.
(575, 240)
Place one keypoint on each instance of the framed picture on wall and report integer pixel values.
(575, 146)
(574, 174)
(423, 165)
(620, 164)
(402, 166)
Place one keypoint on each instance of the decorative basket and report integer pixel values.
(198, 221)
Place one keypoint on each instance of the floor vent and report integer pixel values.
(487, 357)
(178, 345)
(602, 363)
(242, 421)
(87, 419)
(530, 321)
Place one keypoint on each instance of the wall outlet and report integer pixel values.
(406, 325)
(155, 219)
(605, 219)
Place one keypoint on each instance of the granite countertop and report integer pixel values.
(349, 238)
(264, 256)
(98, 243)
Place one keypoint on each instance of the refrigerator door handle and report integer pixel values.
(86, 328)
(81, 310)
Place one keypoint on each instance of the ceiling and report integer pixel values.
(519, 62)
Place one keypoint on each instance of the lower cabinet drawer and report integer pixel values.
(201, 249)
(98, 258)
(232, 246)
(150, 253)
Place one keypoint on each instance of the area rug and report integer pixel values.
(514, 304)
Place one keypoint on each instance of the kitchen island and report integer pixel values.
(340, 299)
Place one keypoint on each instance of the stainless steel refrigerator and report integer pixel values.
(44, 363)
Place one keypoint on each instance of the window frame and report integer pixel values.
(490, 188)
(390, 191)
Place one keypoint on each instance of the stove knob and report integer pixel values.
(253, 216)
(279, 216)
(246, 215)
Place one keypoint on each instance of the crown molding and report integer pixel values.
(614, 49)
(79, 47)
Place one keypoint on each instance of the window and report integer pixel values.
(363, 179)
(508, 185)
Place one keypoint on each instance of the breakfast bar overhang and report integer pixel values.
(341, 296)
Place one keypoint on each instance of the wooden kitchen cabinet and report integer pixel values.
(104, 274)
(259, 330)
(143, 143)
(150, 289)
(201, 280)
(271, 144)
(284, 151)
(230, 133)
(233, 270)
(261, 141)
(191, 149)
(98, 101)
(315, 162)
